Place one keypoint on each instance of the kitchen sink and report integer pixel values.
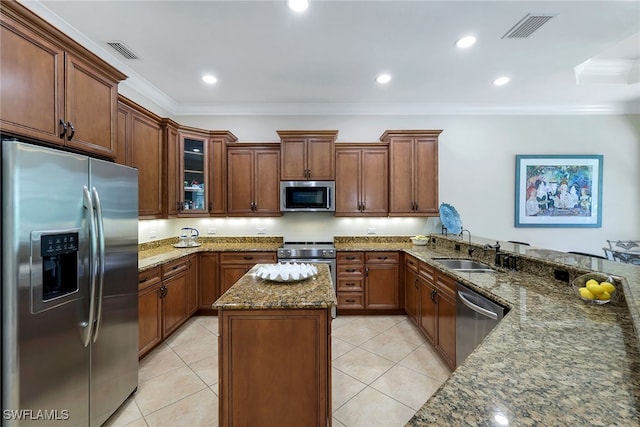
(465, 265)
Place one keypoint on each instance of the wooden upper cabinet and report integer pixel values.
(253, 185)
(362, 180)
(413, 172)
(141, 145)
(307, 155)
(52, 89)
(197, 170)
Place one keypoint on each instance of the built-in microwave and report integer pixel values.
(307, 196)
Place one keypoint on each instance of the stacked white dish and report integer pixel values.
(286, 272)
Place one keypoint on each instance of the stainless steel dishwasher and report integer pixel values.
(476, 316)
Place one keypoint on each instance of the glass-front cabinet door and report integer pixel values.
(194, 173)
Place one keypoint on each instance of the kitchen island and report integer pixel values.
(274, 351)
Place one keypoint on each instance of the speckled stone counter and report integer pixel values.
(553, 360)
(159, 252)
(252, 292)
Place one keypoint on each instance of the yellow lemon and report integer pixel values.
(595, 288)
(608, 287)
(604, 296)
(584, 293)
(591, 282)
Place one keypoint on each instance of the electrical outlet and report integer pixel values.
(261, 230)
(152, 234)
(211, 230)
(371, 230)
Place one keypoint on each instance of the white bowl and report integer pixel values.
(419, 242)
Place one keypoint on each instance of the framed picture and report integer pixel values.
(558, 191)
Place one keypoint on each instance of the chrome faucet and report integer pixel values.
(470, 249)
(497, 248)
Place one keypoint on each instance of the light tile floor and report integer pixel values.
(383, 372)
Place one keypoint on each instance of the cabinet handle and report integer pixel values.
(349, 284)
(382, 257)
(415, 282)
(210, 206)
(63, 128)
(366, 272)
(73, 131)
(175, 267)
(433, 296)
(364, 207)
(248, 257)
(350, 300)
(350, 258)
(351, 270)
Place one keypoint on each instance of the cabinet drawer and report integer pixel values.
(427, 271)
(382, 257)
(446, 285)
(350, 300)
(347, 271)
(350, 284)
(247, 257)
(172, 268)
(411, 263)
(350, 257)
(148, 278)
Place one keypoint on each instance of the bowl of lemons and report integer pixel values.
(420, 240)
(595, 288)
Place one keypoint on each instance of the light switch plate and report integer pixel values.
(211, 230)
(371, 230)
(261, 230)
(152, 234)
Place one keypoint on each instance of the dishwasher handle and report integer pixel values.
(487, 313)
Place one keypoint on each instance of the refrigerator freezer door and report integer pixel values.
(45, 365)
(114, 350)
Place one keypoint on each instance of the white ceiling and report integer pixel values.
(270, 60)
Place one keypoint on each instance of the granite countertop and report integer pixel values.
(552, 361)
(157, 253)
(252, 292)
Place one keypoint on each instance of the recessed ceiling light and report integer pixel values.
(466, 42)
(208, 78)
(383, 78)
(501, 81)
(298, 5)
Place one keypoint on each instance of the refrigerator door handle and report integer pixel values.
(93, 266)
(101, 260)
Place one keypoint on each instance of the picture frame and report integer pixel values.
(558, 190)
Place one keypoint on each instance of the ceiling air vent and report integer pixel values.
(526, 26)
(123, 50)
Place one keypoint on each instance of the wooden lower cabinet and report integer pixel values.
(411, 288)
(368, 281)
(437, 311)
(209, 263)
(446, 332)
(166, 296)
(275, 367)
(149, 310)
(233, 265)
(382, 287)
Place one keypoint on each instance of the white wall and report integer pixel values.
(476, 173)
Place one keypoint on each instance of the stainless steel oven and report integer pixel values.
(311, 252)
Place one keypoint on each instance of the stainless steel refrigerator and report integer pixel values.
(69, 287)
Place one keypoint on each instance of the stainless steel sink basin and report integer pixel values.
(465, 265)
